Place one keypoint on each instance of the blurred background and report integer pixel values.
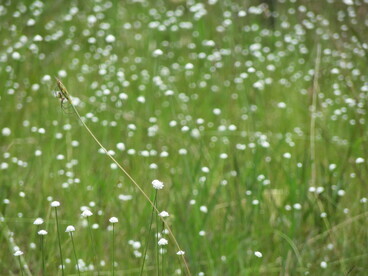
(252, 113)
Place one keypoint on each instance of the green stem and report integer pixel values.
(113, 249)
(148, 237)
(157, 248)
(162, 254)
(93, 247)
(75, 254)
(20, 265)
(58, 233)
(43, 257)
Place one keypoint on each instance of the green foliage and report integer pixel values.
(213, 99)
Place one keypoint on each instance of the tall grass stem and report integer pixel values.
(58, 234)
(93, 246)
(148, 236)
(75, 253)
(113, 249)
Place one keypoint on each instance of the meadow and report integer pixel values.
(243, 122)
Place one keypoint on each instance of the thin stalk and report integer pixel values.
(312, 144)
(313, 116)
(157, 248)
(67, 96)
(148, 237)
(162, 252)
(58, 233)
(113, 249)
(42, 256)
(75, 254)
(93, 246)
(20, 265)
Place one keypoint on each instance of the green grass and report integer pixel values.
(257, 196)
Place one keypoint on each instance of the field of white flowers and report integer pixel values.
(185, 137)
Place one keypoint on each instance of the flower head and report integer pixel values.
(163, 214)
(113, 220)
(86, 213)
(42, 232)
(163, 241)
(157, 184)
(18, 253)
(69, 229)
(180, 252)
(55, 204)
(157, 52)
(38, 221)
(110, 38)
(258, 254)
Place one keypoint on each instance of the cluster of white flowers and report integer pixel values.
(158, 185)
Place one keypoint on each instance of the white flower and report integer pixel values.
(136, 244)
(158, 185)
(359, 160)
(6, 131)
(31, 22)
(205, 169)
(46, 78)
(180, 252)
(120, 146)
(125, 197)
(113, 220)
(16, 55)
(38, 221)
(163, 214)
(91, 19)
(18, 253)
(55, 204)
(163, 241)
(110, 38)
(69, 229)
(62, 73)
(258, 254)
(157, 52)
(189, 66)
(86, 213)
(37, 38)
(141, 99)
(203, 209)
(42, 232)
(346, 2)
(281, 105)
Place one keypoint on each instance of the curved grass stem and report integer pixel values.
(67, 96)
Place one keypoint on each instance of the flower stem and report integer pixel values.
(93, 246)
(58, 233)
(43, 256)
(113, 249)
(162, 253)
(20, 265)
(75, 254)
(148, 237)
(157, 248)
